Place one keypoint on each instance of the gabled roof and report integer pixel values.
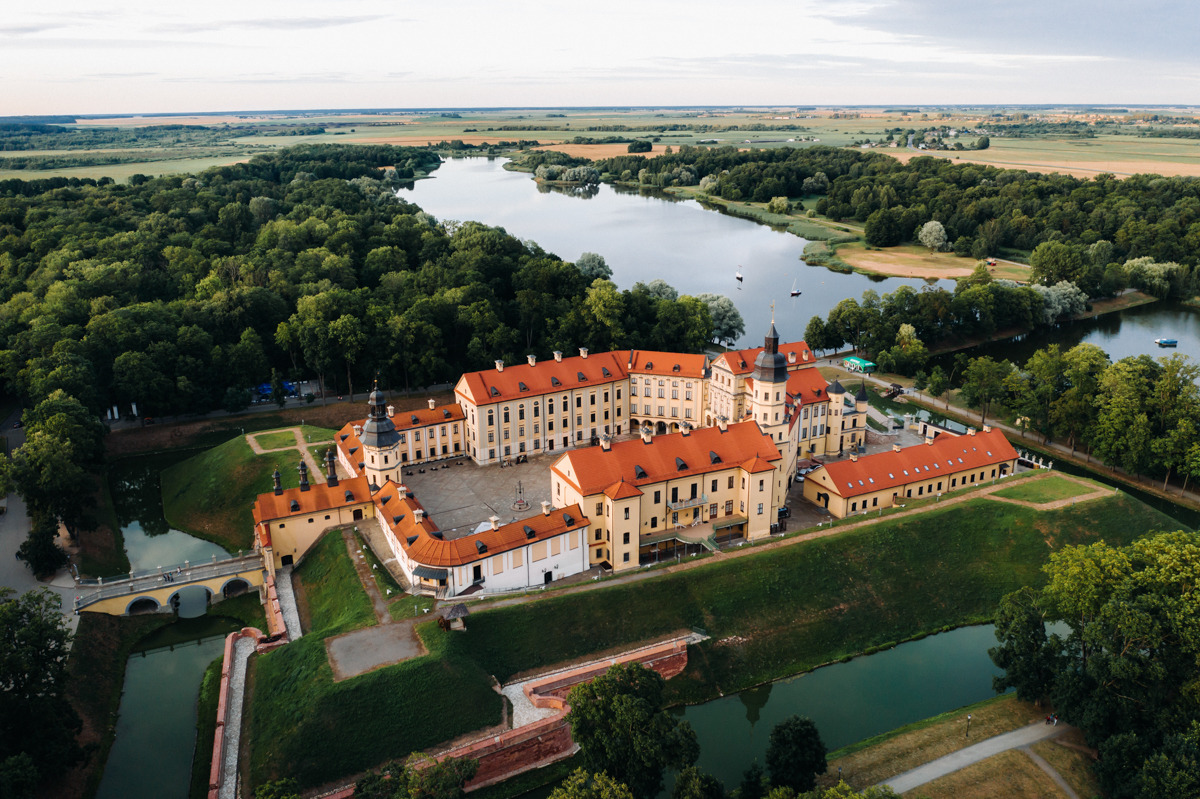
(667, 364)
(270, 507)
(593, 470)
(423, 546)
(741, 362)
(947, 455)
(622, 490)
(491, 386)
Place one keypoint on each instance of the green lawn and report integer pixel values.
(808, 604)
(276, 439)
(302, 724)
(336, 600)
(792, 608)
(1048, 489)
(211, 494)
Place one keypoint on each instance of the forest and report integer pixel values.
(180, 293)
(986, 211)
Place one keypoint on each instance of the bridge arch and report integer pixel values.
(234, 586)
(141, 605)
(174, 600)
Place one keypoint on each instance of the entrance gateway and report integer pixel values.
(547, 578)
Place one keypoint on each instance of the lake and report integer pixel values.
(644, 236)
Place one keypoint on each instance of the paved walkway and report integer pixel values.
(316, 472)
(287, 602)
(388, 642)
(242, 649)
(1051, 772)
(1023, 737)
(741, 552)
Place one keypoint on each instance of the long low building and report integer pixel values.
(945, 463)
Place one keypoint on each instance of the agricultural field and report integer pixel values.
(917, 261)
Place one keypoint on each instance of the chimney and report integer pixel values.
(987, 428)
(583, 352)
(854, 457)
(304, 486)
(929, 441)
(557, 356)
(806, 354)
(330, 468)
(278, 482)
(647, 433)
(545, 508)
(499, 365)
(418, 515)
(685, 428)
(895, 447)
(722, 423)
(532, 359)
(605, 442)
(495, 521)
(391, 410)
(432, 404)
(629, 365)
(792, 356)
(358, 430)
(970, 431)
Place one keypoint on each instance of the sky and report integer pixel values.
(130, 56)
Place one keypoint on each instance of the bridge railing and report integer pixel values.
(180, 576)
(138, 574)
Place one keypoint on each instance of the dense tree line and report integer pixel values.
(982, 208)
(1141, 414)
(1126, 672)
(897, 328)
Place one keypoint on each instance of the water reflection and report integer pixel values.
(755, 699)
(645, 235)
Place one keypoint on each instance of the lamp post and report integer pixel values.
(968, 725)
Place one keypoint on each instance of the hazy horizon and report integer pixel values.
(68, 57)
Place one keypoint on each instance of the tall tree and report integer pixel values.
(795, 754)
(581, 785)
(984, 383)
(1025, 653)
(618, 721)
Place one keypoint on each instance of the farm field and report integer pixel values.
(1117, 154)
(916, 261)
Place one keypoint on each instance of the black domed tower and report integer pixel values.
(380, 442)
(770, 388)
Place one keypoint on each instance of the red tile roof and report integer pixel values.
(395, 509)
(271, 507)
(948, 454)
(540, 378)
(666, 457)
(346, 440)
(666, 364)
(807, 385)
(741, 362)
(622, 490)
(403, 420)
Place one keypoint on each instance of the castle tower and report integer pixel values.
(769, 402)
(837, 406)
(380, 442)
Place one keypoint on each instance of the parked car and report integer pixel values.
(785, 512)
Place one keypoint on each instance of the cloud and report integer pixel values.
(268, 23)
(25, 30)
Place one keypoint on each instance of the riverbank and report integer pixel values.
(770, 614)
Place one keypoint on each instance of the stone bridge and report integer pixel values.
(155, 591)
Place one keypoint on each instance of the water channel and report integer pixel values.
(848, 701)
(151, 756)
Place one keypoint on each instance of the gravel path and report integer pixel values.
(955, 761)
(242, 649)
(1041, 763)
(287, 602)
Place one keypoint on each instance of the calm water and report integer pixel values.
(151, 757)
(1124, 334)
(645, 237)
(848, 701)
(156, 731)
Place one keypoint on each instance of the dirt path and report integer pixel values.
(1058, 503)
(1017, 739)
(1051, 772)
(363, 569)
(744, 551)
(314, 468)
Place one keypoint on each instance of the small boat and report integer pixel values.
(1166, 342)
(738, 275)
(795, 292)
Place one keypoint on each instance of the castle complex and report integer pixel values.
(656, 450)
